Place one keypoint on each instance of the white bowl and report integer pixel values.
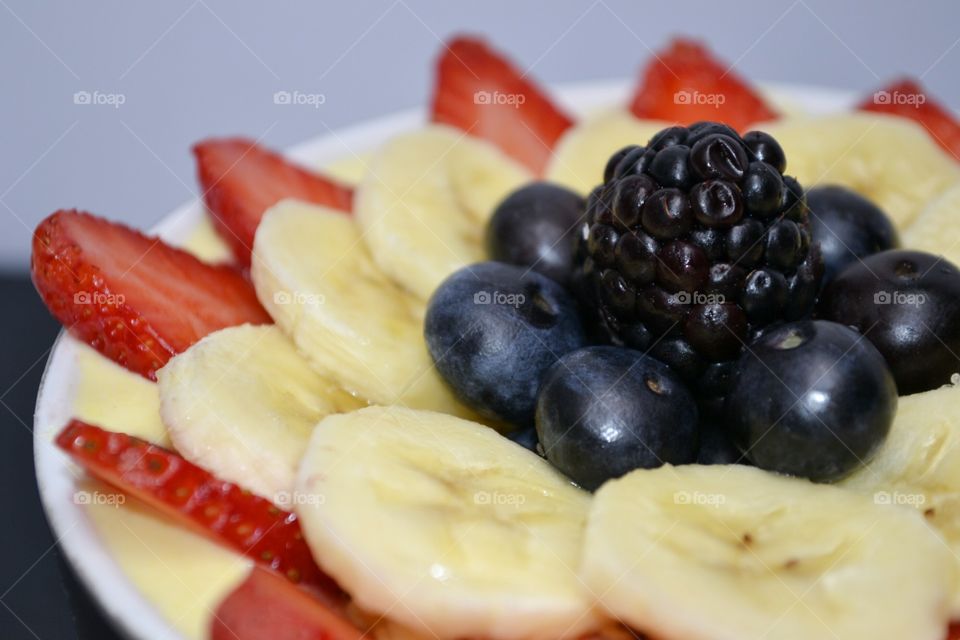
(126, 607)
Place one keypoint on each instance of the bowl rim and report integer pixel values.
(130, 611)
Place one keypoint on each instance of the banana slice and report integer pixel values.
(445, 526)
(936, 230)
(315, 278)
(919, 465)
(242, 403)
(583, 151)
(736, 553)
(425, 200)
(889, 160)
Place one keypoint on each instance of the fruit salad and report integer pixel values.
(684, 368)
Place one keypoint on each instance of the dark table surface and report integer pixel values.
(41, 598)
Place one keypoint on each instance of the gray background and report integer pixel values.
(193, 68)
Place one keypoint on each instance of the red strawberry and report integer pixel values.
(482, 93)
(267, 606)
(685, 83)
(906, 98)
(134, 298)
(241, 180)
(194, 498)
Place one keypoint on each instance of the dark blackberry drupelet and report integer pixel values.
(693, 244)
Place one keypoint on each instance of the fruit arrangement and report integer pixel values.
(684, 370)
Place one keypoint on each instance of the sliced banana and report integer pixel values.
(889, 160)
(242, 402)
(315, 278)
(736, 553)
(937, 229)
(919, 465)
(424, 202)
(445, 526)
(582, 153)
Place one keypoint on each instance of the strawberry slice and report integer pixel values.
(241, 180)
(134, 298)
(482, 93)
(906, 98)
(196, 499)
(267, 606)
(685, 83)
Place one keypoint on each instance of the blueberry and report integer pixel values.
(908, 304)
(812, 399)
(604, 411)
(712, 387)
(526, 438)
(493, 329)
(716, 446)
(847, 226)
(535, 227)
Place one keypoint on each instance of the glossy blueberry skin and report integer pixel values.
(847, 226)
(811, 399)
(493, 329)
(908, 304)
(535, 226)
(604, 411)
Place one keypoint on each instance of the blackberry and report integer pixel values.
(694, 244)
